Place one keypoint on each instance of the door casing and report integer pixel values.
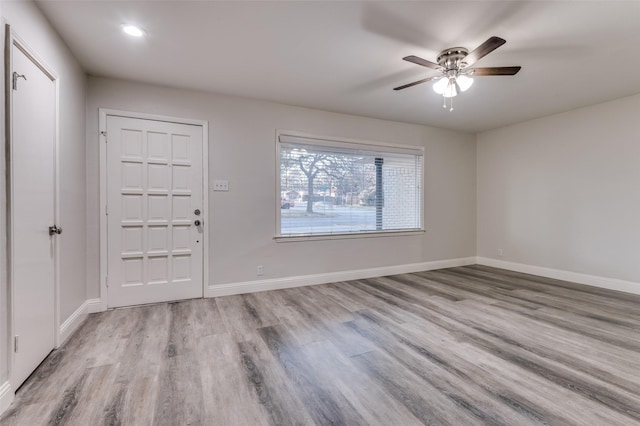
(13, 40)
(103, 114)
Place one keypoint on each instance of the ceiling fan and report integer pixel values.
(455, 64)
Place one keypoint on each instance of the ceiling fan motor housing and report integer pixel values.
(451, 58)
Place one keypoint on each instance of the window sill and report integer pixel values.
(345, 236)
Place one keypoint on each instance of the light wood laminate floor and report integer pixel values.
(460, 346)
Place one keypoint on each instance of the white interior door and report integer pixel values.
(154, 198)
(32, 164)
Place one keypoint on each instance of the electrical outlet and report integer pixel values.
(220, 185)
(260, 270)
(500, 252)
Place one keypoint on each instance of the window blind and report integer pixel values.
(334, 187)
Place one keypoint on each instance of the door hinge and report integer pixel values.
(106, 281)
(16, 76)
(105, 136)
(106, 210)
(16, 339)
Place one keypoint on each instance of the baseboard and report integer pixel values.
(72, 323)
(305, 280)
(6, 396)
(576, 277)
(94, 305)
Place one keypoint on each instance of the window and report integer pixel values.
(330, 187)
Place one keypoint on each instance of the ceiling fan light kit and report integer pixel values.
(454, 65)
(451, 86)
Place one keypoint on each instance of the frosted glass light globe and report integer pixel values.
(464, 82)
(441, 85)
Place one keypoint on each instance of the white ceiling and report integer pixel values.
(347, 56)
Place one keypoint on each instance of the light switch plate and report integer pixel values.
(220, 185)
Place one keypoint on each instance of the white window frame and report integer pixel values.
(348, 143)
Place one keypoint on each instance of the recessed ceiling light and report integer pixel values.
(133, 30)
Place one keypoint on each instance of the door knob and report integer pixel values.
(55, 230)
(197, 223)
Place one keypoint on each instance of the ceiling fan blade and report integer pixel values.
(493, 71)
(423, 62)
(424, 80)
(484, 49)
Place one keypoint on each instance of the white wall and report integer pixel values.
(563, 191)
(241, 223)
(32, 27)
(4, 289)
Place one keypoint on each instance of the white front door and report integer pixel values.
(154, 198)
(32, 162)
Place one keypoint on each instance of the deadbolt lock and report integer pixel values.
(55, 230)
(197, 212)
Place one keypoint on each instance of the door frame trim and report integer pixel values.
(13, 39)
(102, 129)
